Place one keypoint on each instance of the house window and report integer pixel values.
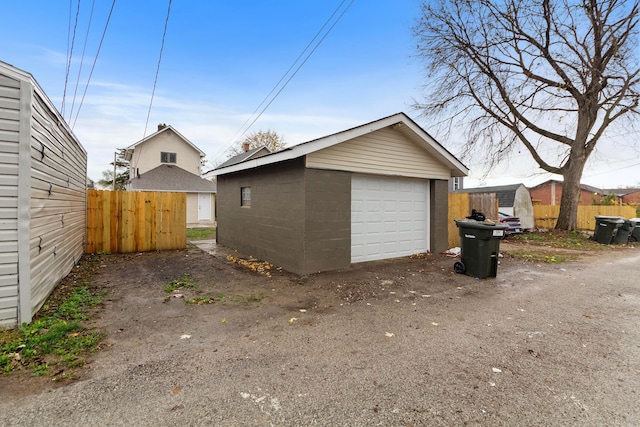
(245, 196)
(167, 157)
(457, 183)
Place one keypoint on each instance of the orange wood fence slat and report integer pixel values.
(133, 221)
(546, 216)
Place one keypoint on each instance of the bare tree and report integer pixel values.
(551, 75)
(271, 139)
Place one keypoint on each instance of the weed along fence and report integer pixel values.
(547, 216)
(135, 221)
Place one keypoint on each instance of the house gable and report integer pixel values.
(399, 122)
(386, 152)
(146, 154)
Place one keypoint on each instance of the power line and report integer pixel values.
(287, 72)
(246, 128)
(155, 82)
(69, 56)
(94, 63)
(84, 49)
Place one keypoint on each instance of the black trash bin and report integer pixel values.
(480, 246)
(635, 233)
(606, 227)
(623, 233)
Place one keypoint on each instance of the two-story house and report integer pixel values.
(167, 161)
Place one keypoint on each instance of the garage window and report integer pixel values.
(245, 197)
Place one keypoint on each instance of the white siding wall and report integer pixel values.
(9, 138)
(147, 155)
(57, 202)
(385, 152)
(42, 197)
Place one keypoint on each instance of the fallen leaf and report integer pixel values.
(224, 320)
(293, 319)
(75, 334)
(176, 390)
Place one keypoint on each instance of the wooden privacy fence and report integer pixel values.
(460, 205)
(135, 221)
(546, 216)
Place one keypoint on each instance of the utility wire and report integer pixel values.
(235, 138)
(69, 56)
(94, 63)
(155, 82)
(246, 128)
(84, 49)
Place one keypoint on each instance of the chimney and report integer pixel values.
(245, 146)
(161, 126)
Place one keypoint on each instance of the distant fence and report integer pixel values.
(547, 216)
(133, 221)
(460, 205)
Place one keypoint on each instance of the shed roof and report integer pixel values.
(246, 155)
(506, 194)
(171, 178)
(410, 129)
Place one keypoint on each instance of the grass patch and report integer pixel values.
(201, 233)
(185, 282)
(56, 340)
(559, 239)
(539, 257)
(222, 298)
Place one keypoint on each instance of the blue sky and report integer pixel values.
(222, 58)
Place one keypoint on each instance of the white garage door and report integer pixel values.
(389, 217)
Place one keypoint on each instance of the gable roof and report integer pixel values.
(171, 178)
(506, 194)
(244, 156)
(400, 121)
(584, 187)
(129, 149)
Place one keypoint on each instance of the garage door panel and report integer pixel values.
(388, 218)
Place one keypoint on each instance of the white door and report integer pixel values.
(204, 206)
(389, 217)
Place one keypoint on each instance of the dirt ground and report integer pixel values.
(398, 342)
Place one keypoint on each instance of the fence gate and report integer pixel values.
(135, 221)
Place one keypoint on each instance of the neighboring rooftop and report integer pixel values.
(171, 178)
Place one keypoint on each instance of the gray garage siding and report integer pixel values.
(327, 234)
(274, 227)
(439, 215)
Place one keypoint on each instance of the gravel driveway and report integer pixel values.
(403, 343)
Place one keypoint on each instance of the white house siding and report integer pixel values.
(42, 197)
(385, 152)
(187, 157)
(9, 138)
(58, 201)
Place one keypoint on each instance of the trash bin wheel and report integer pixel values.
(632, 239)
(459, 268)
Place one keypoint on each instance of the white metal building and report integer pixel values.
(43, 171)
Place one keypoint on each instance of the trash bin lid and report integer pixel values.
(470, 223)
(610, 219)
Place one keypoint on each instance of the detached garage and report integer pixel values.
(373, 192)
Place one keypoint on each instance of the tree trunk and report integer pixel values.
(568, 216)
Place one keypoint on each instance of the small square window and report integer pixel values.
(245, 196)
(167, 157)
